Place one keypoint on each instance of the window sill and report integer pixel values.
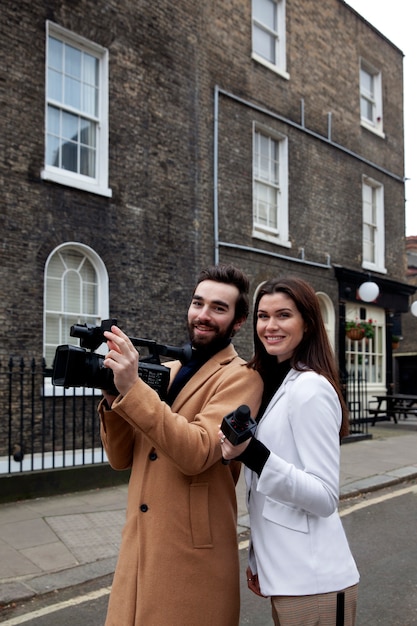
(274, 68)
(76, 182)
(256, 234)
(373, 129)
(374, 268)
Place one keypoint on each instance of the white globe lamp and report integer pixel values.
(369, 291)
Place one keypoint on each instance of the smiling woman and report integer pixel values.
(293, 463)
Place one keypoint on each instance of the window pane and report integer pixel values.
(73, 259)
(69, 148)
(69, 157)
(367, 109)
(265, 11)
(261, 204)
(368, 252)
(90, 87)
(54, 85)
(87, 162)
(88, 133)
(264, 44)
(55, 54)
(87, 271)
(72, 298)
(56, 266)
(369, 204)
(72, 90)
(52, 329)
(73, 62)
(66, 322)
(70, 126)
(89, 299)
(90, 70)
(53, 120)
(266, 207)
(50, 354)
(89, 100)
(366, 83)
(53, 294)
(52, 151)
(264, 157)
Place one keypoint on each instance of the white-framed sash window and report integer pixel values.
(76, 112)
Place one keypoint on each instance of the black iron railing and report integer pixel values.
(46, 427)
(43, 426)
(356, 396)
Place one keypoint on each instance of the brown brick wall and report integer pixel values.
(156, 231)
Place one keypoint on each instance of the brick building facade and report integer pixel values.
(211, 132)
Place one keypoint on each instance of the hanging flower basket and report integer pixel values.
(358, 329)
(395, 342)
(355, 334)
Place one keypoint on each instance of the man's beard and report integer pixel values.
(216, 342)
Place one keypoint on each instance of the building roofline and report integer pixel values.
(370, 25)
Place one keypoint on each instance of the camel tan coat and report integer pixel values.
(178, 563)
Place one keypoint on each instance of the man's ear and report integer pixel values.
(238, 324)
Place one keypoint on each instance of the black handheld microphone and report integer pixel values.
(238, 426)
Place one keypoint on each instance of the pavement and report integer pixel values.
(52, 543)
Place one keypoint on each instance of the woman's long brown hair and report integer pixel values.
(314, 350)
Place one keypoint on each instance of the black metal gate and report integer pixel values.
(356, 396)
(45, 427)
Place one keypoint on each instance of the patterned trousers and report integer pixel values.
(324, 609)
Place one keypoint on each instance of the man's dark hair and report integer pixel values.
(230, 275)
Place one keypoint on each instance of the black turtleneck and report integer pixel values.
(256, 454)
(187, 371)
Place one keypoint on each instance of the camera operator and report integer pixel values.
(178, 562)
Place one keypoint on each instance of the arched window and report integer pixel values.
(328, 315)
(75, 292)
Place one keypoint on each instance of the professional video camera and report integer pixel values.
(82, 367)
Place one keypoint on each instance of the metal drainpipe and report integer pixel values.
(215, 175)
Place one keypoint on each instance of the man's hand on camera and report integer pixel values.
(122, 359)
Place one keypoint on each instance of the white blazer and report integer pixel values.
(298, 545)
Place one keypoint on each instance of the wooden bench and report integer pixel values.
(380, 415)
(395, 407)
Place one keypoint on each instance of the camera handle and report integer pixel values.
(183, 354)
(91, 337)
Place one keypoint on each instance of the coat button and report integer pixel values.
(143, 508)
(153, 456)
